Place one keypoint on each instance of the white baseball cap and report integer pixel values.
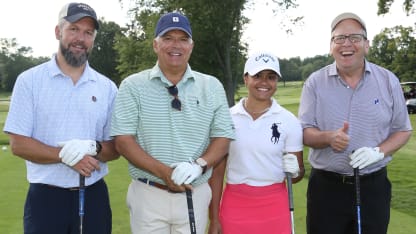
(260, 61)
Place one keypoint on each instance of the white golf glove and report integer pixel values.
(74, 150)
(185, 172)
(291, 165)
(365, 156)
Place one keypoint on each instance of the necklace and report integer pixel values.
(254, 112)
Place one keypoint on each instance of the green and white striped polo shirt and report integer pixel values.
(143, 109)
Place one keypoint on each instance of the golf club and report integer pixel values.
(81, 202)
(291, 207)
(190, 211)
(357, 198)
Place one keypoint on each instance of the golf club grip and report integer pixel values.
(191, 211)
(81, 202)
(81, 194)
(290, 191)
(357, 186)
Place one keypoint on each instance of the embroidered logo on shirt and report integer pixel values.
(275, 133)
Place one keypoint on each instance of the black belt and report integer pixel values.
(346, 179)
(157, 185)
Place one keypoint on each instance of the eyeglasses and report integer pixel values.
(176, 103)
(354, 38)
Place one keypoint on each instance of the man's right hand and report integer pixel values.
(74, 150)
(340, 139)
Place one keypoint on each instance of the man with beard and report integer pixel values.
(59, 121)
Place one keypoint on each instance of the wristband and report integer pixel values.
(98, 146)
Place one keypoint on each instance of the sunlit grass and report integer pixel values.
(13, 188)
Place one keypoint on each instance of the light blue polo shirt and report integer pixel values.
(143, 109)
(47, 106)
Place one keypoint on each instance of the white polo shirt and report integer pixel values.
(255, 156)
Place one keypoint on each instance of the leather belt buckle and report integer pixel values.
(157, 185)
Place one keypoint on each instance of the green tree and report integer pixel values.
(395, 49)
(290, 69)
(13, 61)
(104, 56)
(217, 27)
(310, 65)
(384, 6)
(135, 45)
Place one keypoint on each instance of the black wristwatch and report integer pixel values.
(98, 147)
(202, 163)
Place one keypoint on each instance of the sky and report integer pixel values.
(33, 23)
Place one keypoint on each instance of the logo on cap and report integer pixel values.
(265, 58)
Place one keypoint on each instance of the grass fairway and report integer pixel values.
(13, 188)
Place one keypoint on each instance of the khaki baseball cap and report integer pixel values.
(347, 15)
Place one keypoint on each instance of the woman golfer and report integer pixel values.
(255, 199)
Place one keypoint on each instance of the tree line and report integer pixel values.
(217, 29)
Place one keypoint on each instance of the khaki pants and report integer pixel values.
(156, 211)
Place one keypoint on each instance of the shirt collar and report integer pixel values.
(275, 108)
(333, 68)
(156, 73)
(55, 71)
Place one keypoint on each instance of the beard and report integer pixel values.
(71, 58)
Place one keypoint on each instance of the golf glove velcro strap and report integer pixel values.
(365, 156)
(185, 172)
(74, 150)
(291, 165)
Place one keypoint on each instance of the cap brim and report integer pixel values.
(76, 17)
(173, 28)
(258, 69)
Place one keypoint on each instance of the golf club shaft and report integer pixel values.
(190, 211)
(291, 206)
(358, 198)
(81, 202)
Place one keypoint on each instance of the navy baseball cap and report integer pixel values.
(172, 21)
(74, 11)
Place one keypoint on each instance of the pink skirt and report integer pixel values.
(249, 209)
